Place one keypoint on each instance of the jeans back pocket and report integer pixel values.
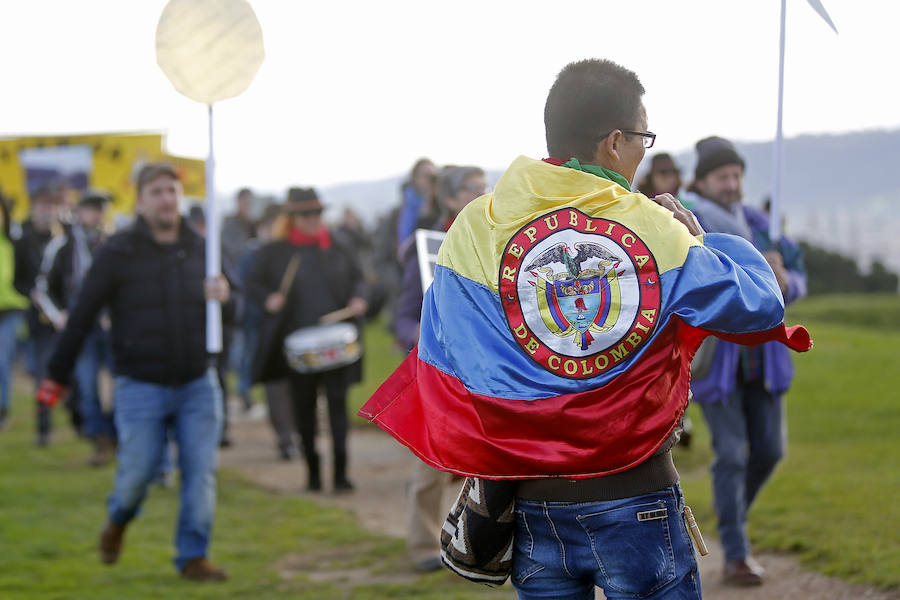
(633, 546)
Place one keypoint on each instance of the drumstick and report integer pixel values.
(337, 315)
(289, 274)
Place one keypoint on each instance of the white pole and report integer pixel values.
(775, 211)
(213, 258)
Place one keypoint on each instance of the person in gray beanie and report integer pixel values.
(741, 392)
(714, 152)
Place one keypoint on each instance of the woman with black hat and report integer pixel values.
(301, 275)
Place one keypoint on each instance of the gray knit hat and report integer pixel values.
(714, 152)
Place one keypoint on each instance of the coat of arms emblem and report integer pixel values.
(577, 301)
(580, 293)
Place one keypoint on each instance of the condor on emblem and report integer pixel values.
(580, 293)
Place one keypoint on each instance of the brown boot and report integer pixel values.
(104, 451)
(743, 572)
(200, 569)
(111, 542)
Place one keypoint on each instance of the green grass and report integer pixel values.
(275, 546)
(870, 311)
(833, 501)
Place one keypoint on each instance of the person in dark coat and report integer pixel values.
(328, 278)
(277, 392)
(151, 277)
(66, 262)
(42, 225)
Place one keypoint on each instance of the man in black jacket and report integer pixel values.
(66, 261)
(151, 278)
(37, 231)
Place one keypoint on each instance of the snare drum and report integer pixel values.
(322, 347)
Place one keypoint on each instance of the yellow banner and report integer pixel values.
(107, 161)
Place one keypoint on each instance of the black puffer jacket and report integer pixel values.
(156, 302)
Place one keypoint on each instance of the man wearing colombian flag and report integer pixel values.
(556, 343)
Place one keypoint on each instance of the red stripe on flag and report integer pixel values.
(598, 432)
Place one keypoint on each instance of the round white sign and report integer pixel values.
(209, 49)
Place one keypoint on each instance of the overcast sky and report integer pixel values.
(358, 90)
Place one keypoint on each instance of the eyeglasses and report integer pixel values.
(648, 141)
(649, 138)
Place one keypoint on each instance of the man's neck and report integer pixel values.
(164, 236)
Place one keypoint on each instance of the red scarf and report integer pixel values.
(299, 238)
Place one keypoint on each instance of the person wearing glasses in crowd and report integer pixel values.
(326, 278)
(553, 363)
(456, 188)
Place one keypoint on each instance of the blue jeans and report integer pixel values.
(95, 354)
(632, 548)
(748, 437)
(143, 413)
(9, 325)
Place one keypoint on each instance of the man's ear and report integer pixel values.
(606, 152)
(614, 143)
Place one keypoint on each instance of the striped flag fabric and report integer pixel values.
(557, 336)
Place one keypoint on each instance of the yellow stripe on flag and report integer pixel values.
(530, 188)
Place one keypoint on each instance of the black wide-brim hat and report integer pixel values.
(299, 197)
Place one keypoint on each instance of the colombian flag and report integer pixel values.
(557, 337)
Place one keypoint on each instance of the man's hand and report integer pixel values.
(773, 257)
(672, 203)
(275, 302)
(61, 320)
(49, 393)
(217, 288)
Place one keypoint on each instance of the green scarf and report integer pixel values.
(598, 171)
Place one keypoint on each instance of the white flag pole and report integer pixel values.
(213, 258)
(774, 206)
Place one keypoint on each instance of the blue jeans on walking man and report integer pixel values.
(143, 413)
(749, 434)
(635, 547)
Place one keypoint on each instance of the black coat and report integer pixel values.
(29, 250)
(156, 303)
(326, 280)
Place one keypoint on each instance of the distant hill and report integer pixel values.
(838, 191)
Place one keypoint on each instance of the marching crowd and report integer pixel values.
(112, 325)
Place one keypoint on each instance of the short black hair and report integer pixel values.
(589, 98)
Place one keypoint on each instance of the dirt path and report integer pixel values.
(380, 468)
